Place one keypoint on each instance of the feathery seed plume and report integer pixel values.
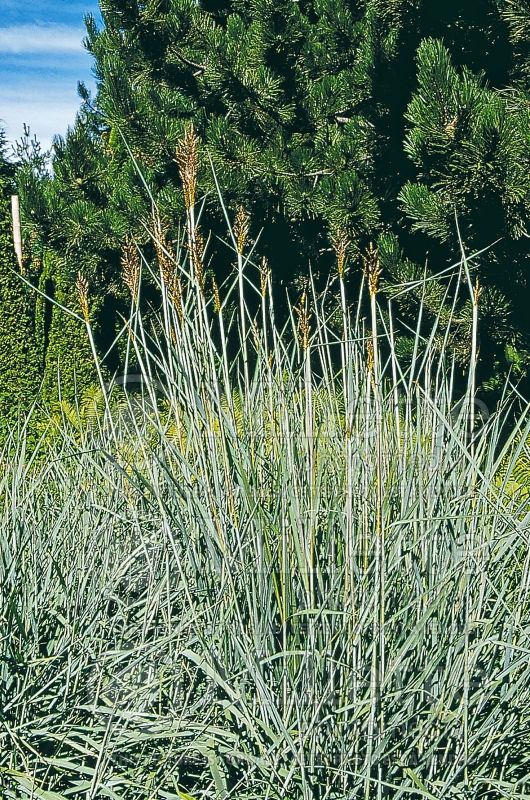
(372, 269)
(216, 297)
(340, 244)
(265, 274)
(81, 286)
(188, 162)
(241, 229)
(130, 262)
(304, 328)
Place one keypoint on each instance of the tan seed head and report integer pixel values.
(304, 328)
(341, 243)
(241, 229)
(216, 297)
(265, 274)
(372, 269)
(130, 264)
(188, 161)
(81, 286)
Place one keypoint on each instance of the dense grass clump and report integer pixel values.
(301, 572)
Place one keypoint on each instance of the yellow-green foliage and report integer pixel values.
(514, 475)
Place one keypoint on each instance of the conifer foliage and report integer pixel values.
(19, 363)
(470, 146)
(402, 123)
(276, 91)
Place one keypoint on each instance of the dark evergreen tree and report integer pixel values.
(70, 230)
(303, 110)
(470, 145)
(20, 373)
(278, 92)
(516, 14)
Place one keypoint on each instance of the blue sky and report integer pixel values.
(41, 60)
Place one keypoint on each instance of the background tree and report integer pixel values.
(470, 145)
(276, 92)
(516, 14)
(20, 369)
(70, 229)
(384, 120)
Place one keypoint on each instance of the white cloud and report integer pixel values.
(47, 110)
(40, 39)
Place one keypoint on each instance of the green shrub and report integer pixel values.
(20, 367)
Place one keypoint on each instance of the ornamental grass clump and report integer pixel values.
(296, 572)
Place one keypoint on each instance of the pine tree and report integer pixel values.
(303, 110)
(276, 91)
(470, 145)
(71, 231)
(516, 14)
(20, 373)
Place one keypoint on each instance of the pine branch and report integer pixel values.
(200, 68)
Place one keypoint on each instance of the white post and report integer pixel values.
(17, 235)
